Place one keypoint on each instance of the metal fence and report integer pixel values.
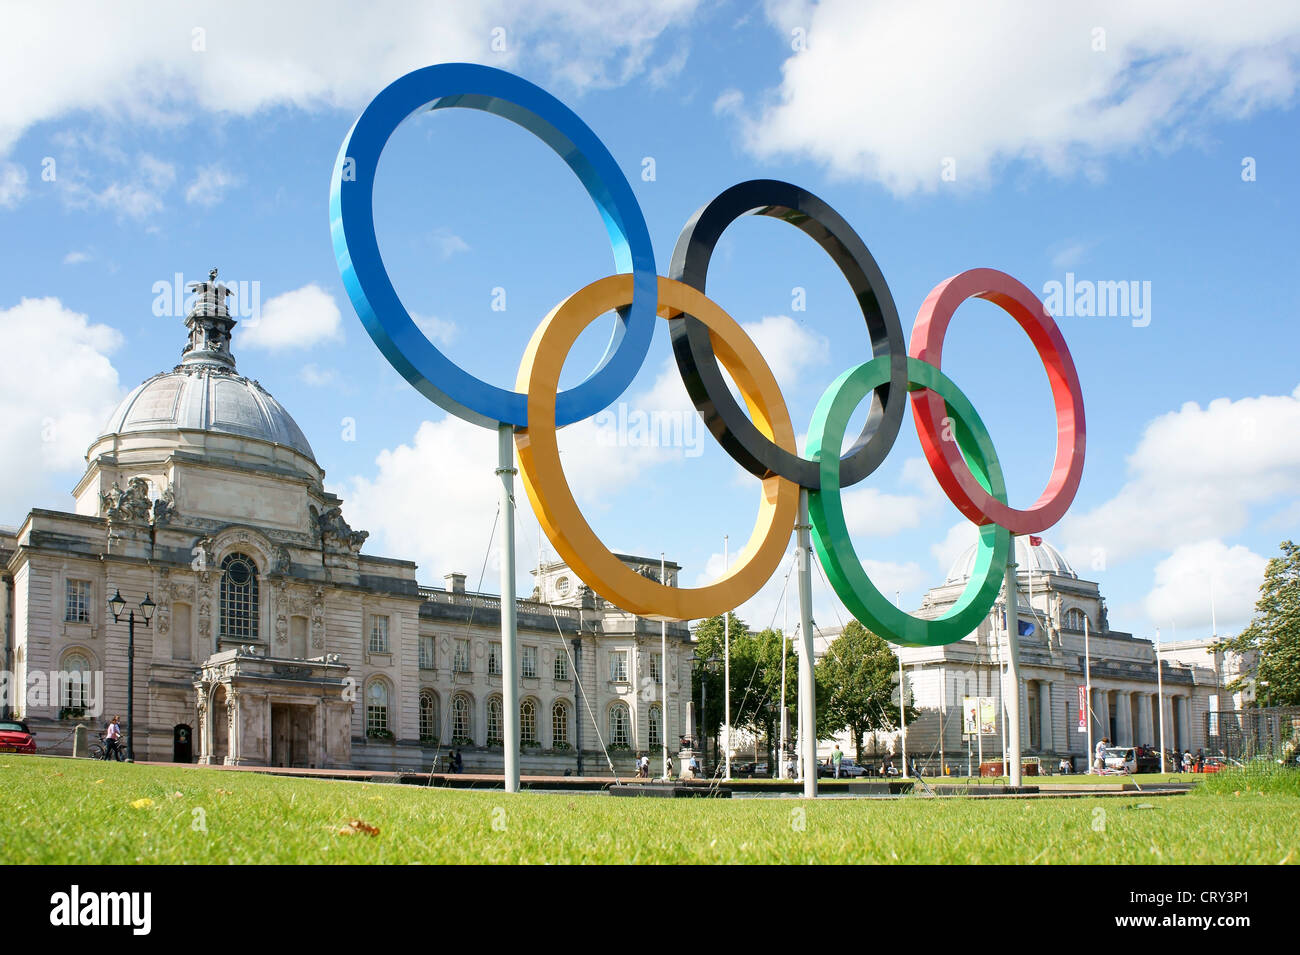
(1259, 731)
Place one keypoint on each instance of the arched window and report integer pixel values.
(1074, 619)
(75, 680)
(494, 735)
(527, 722)
(428, 715)
(376, 707)
(656, 723)
(462, 728)
(239, 598)
(620, 725)
(559, 723)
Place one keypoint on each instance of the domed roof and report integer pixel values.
(204, 392)
(207, 398)
(1043, 559)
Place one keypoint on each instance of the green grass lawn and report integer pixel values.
(78, 811)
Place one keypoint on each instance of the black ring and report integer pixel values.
(698, 364)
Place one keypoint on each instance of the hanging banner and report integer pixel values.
(1083, 709)
(979, 716)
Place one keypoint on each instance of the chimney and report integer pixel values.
(455, 583)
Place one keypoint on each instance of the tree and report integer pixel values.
(755, 678)
(1274, 633)
(857, 686)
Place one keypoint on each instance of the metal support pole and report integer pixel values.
(509, 631)
(1087, 683)
(1013, 666)
(130, 688)
(807, 683)
(663, 671)
(726, 668)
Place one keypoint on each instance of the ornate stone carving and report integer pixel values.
(281, 561)
(164, 509)
(131, 505)
(281, 628)
(334, 532)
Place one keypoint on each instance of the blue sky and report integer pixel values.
(1160, 151)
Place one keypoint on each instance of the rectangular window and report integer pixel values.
(618, 666)
(494, 659)
(426, 653)
(657, 667)
(561, 665)
(77, 606)
(528, 662)
(461, 662)
(378, 634)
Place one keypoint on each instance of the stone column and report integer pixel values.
(1046, 738)
(1146, 737)
(1184, 722)
(1123, 718)
(1100, 716)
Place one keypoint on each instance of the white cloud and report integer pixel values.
(76, 258)
(1204, 582)
(210, 185)
(880, 94)
(960, 537)
(138, 195)
(155, 62)
(1195, 475)
(13, 184)
(448, 243)
(790, 348)
(297, 319)
(728, 102)
(440, 331)
(57, 391)
(317, 377)
(1068, 254)
(432, 500)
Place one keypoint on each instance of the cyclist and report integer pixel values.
(111, 736)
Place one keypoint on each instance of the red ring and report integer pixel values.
(949, 467)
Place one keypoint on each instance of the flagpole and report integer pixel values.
(726, 662)
(1160, 705)
(785, 716)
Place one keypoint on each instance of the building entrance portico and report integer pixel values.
(264, 711)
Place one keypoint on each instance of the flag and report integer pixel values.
(1025, 627)
(1035, 541)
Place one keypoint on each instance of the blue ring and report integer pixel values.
(352, 226)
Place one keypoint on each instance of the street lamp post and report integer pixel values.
(116, 606)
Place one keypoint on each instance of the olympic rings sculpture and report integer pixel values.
(706, 339)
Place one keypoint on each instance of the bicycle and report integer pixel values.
(100, 750)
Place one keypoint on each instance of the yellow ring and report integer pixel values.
(548, 489)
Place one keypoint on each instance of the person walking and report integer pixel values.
(111, 737)
(1099, 756)
(836, 756)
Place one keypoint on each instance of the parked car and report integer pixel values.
(15, 737)
(1120, 759)
(848, 769)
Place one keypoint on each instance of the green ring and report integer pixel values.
(831, 533)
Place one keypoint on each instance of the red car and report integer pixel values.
(15, 737)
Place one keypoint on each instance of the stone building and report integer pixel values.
(1059, 604)
(275, 640)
